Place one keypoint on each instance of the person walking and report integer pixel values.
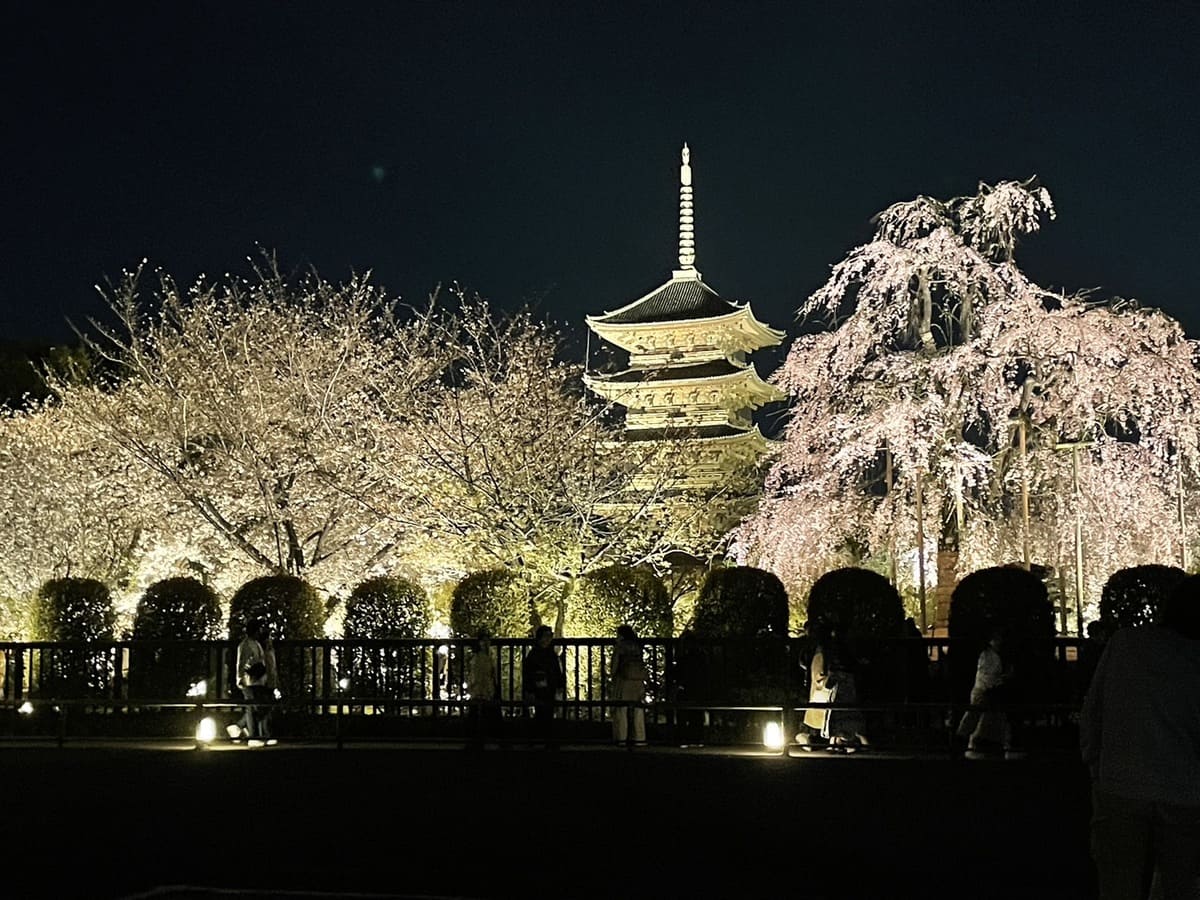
(542, 679)
(628, 670)
(987, 729)
(1139, 736)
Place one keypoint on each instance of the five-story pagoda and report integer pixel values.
(689, 384)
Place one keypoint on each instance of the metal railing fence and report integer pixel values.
(432, 674)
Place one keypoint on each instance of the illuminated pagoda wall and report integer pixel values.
(689, 380)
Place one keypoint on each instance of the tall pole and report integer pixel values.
(1024, 497)
(1078, 542)
(921, 554)
(1183, 541)
(889, 474)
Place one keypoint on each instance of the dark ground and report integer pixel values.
(582, 822)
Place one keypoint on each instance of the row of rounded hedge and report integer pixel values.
(732, 602)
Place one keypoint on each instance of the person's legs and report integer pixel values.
(639, 724)
(620, 724)
(1121, 833)
(1177, 850)
(249, 715)
(543, 720)
(263, 712)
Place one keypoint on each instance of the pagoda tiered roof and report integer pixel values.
(713, 368)
(678, 300)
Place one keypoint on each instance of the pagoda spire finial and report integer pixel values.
(687, 232)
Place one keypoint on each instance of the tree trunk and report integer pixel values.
(947, 569)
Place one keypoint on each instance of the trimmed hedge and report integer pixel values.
(177, 609)
(496, 601)
(174, 609)
(289, 605)
(741, 602)
(619, 595)
(858, 603)
(387, 607)
(1131, 597)
(74, 609)
(1012, 601)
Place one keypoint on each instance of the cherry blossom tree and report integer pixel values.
(252, 403)
(520, 469)
(941, 361)
(72, 506)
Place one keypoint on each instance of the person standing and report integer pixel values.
(833, 680)
(252, 681)
(1139, 735)
(542, 679)
(628, 689)
(483, 708)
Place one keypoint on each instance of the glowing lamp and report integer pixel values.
(206, 731)
(25, 708)
(773, 736)
(343, 683)
(199, 689)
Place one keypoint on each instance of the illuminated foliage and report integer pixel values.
(938, 353)
(619, 595)
(289, 605)
(495, 602)
(387, 607)
(250, 403)
(177, 609)
(74, 609)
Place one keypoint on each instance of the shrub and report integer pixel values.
(387, 607)
(859, 603)
(288, 604)
(864, 607)
(741, 602)
(177, 609)
(496, 601)
(619, 595)
(748, 603)
(71, 610)
(1006, 599)
(174, 609)
(74, 609)
(1131, 597)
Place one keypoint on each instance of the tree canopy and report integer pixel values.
(938, 354)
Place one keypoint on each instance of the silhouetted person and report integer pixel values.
(834, 680)
(689, 684)
(987, 730)
(628, 688)
(484, 688)
(542, 678)
(1140, 737)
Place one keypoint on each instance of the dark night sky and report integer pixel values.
(530, 151)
